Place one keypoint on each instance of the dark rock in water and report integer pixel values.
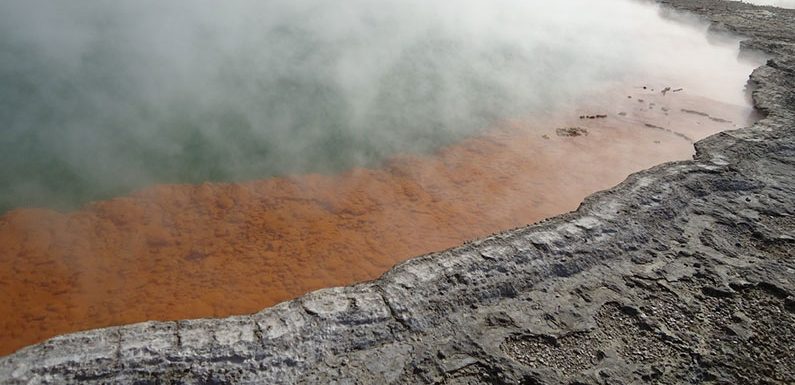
(704, 114)
(597, 116)
(694, 112)
(653, 126)
(719, 120)
(571, 131)
(684, 273)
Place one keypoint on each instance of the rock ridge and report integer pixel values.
(684, 273)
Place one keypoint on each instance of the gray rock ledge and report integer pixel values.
(684, 273)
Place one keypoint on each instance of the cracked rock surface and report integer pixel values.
(684, 273)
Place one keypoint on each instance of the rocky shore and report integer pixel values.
(684, 273)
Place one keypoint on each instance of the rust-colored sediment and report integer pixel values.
(184, 251)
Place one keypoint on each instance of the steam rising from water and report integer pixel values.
(97, 98)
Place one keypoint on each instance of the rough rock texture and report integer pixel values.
(684, 273)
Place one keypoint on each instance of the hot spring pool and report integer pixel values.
(240, 154)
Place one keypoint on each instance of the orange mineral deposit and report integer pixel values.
(217, 249)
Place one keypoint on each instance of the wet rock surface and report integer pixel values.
(684, 273)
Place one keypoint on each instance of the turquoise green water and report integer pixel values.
(100, 98)
(91, 135)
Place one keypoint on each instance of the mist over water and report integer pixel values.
(99, 98)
